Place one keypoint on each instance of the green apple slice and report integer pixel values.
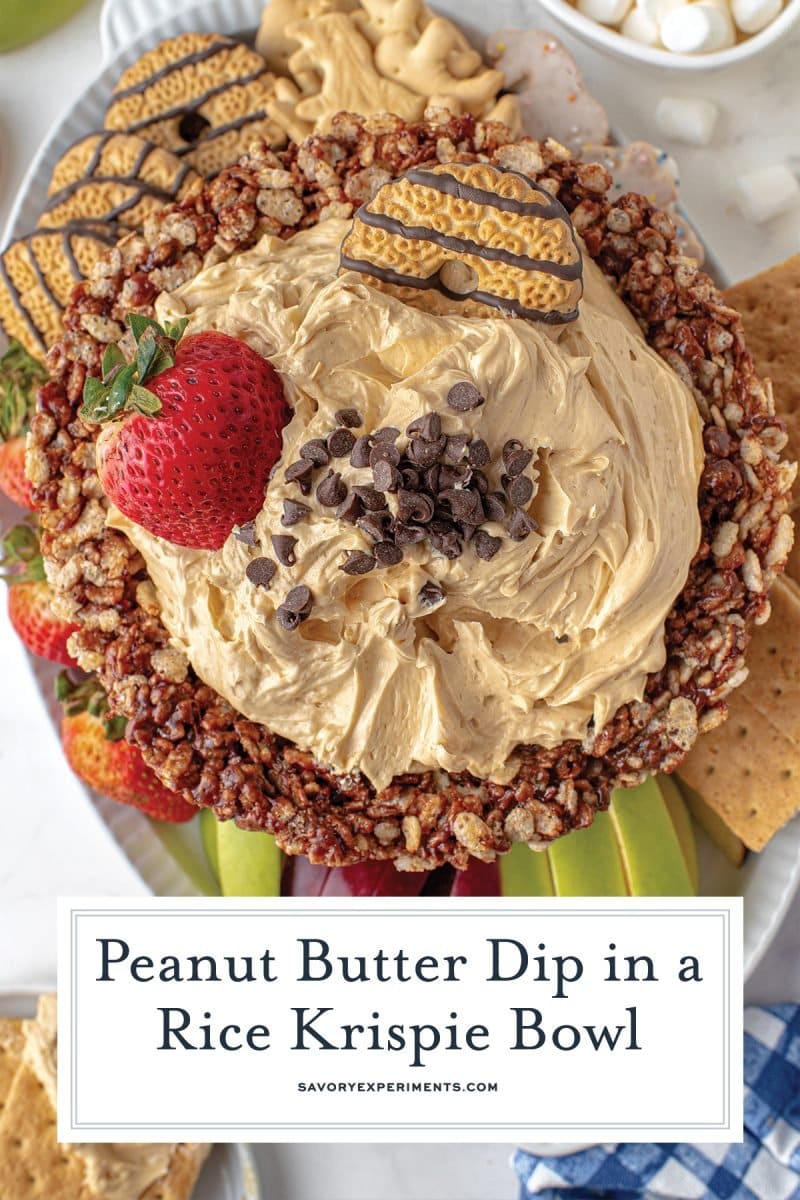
(208, 832)
(588, 862)
(184, 843)
(681, 819)
(651, 852)
(250, 863)
(711, 823)
(525, 872)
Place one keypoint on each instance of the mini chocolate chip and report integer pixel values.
(464, 396)
(478, 454)
(467, 531)
(414, 506)
(387, 554)
(340, 443)
(428, 425)
(370, 498)
(411, 478)
(349, 417)
(480, 483)
(511, 447)
(520, 525)
(455, 476)
(517, 461)
(246, 534)
(316, 452)
(283, 544)
(288, 619)
(456, 446)
(494, 506)
(384, 452)
(486, 546)
(350, 509)
(386, 476)
(465, 506)
(375, 525)
(562, 639)
(294, 511)
(298, 600)
(520, 490)
(331, 491)
(408, 535)
(387, 434)
(431, 478)
(448, 544)
(422, 453)
(359, 455)
(300, 472)
(261, 572)
(430, 594)
(358, 563)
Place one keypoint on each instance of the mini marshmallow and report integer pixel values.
(697, 29)
(637, 25)
(766, 192)
(752, 15)
(656, 10)
(687, 120)
(607, 12)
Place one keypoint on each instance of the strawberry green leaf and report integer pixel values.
(146, 352)
(95, 401)
(120, 389)
(20, 376)
(115, 729)
(112, 357)
(138, 323)
(20, 557)
(143, 401)
(176, 330)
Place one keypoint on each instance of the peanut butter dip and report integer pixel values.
(556, 631)
(115, 1171)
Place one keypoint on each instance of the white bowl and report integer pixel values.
(605, 37)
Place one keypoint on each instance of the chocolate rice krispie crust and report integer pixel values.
(191, 737)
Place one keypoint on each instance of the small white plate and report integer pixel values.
(229, 1172)
(767, 882)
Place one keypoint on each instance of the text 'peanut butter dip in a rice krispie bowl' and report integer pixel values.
(525, 506)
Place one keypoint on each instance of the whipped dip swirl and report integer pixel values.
(555, 632)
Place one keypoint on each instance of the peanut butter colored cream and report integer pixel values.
(554, 632)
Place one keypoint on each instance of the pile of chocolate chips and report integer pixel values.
(441, 490)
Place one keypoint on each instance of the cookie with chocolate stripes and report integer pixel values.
(484, 236)
(38, 274)
(114, 177)
(201, 95)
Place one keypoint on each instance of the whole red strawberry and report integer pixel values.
(20, 376)
(189, 456)
(98, 754)
(29, 598)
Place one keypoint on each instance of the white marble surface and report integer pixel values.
(51, 840)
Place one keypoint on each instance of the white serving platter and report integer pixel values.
(229, 1172)
(767, 882)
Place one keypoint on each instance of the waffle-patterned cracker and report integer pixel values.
(201, 95)
(38, 274)
(475, 233)
(114, 177)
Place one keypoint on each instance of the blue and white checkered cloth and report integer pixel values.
(766, 1166)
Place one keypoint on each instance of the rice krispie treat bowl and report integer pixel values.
(194, 740)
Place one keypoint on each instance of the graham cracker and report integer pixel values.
(748, 770)
(770, 307)
(12, 1041)
(33, 1166)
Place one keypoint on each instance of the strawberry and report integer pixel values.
(20, 375)
(29, 598)
(13, 480)
(98, 754)
(189, 456)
